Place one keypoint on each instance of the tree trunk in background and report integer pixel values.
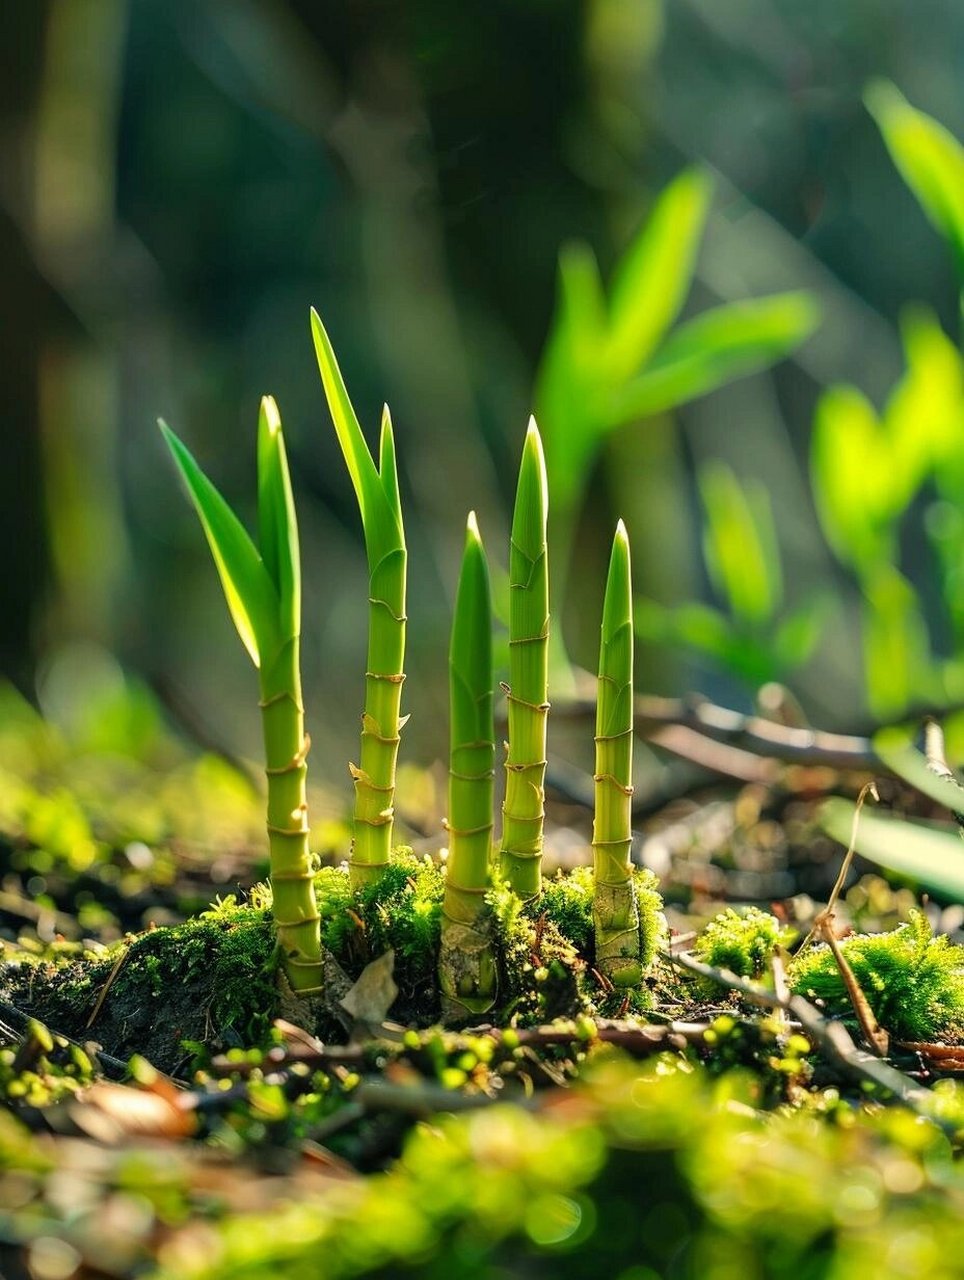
(25, 304)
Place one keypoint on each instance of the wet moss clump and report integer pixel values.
(913, 980)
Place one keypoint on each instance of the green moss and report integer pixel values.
(741, 941)
(913, 980)
(210, 980)
(401, 912)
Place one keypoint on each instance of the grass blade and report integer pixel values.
(929, 159)
(654, 275)
(932, 857)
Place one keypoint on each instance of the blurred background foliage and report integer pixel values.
(494, 207)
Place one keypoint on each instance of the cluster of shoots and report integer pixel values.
(262, 587)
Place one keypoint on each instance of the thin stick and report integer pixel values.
(118, 965)
(868, 789)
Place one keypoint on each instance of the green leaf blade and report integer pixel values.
(932, 857)
(277, 521)
(655, 273)
(718, 346)
(248, 589)
(929, 159)
(381, 520)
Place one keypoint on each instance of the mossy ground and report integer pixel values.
(211, 983)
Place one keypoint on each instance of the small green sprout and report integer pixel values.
(263, 591)
(467, 968)
(376, 489)
(528, 690)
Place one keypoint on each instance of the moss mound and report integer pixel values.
(913, 980)
(162, 994)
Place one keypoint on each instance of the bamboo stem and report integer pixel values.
(527, 693)
(467, 966)
(286, 767)
(615, 910)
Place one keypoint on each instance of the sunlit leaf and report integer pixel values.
(568, 384)
(896, 648)
(929, 158)
(381, 515)
(277, 522)
(248, 589)
(654, 274)
(722, 344)
(898, 754)
(929, 855)
(739, 545)
(852, 482)
(925, 415)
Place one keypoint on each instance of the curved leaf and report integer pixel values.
(654, 274)
(248, 589)
(721, 344)
(929, 158)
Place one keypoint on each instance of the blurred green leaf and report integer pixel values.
(722, 344)
(739, 544)
(896, 648)
(929, 158)
(925, 414)
(895, 749)
(569, 379)
(250, 593)
(798, 634)
(654, 274)
(933, 857)
(851, 477)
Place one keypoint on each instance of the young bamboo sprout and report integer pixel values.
(467, 969)
(263, 592)
(376, 489)
(615, 911)
(523, 811)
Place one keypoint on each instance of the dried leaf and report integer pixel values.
(374, 993)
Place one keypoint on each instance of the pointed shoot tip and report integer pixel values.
(271, 415)
(472, 527)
